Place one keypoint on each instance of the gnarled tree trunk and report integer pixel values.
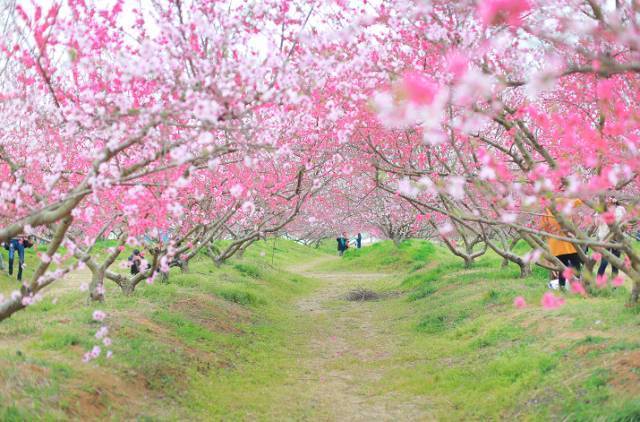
(96, 288)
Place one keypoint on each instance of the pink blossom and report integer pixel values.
(95, 352)
(597, 256)
(445, 229)
(487, 173)
(508, 217)
(164, 264)
(618, 281)
(457, 64)
(551, 301)
(406, 188)
(567, 273)
(455, 186)
(519, 302)
(248, 207)
(609, 217)
(99, 315)
(532, 257)
(106, 341)
(236, 190)
(578, 288)
(601, 280)
(419, 88)
(109, 354)
(497, 12)
(102, 332)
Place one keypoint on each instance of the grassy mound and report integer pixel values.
(169, 342)
(489, 360)
(410, 255)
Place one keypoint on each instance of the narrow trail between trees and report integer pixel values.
(349, 348)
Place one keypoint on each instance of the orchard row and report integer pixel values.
(191, 121)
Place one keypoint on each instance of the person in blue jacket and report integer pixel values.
(342, 244)
(359, 241)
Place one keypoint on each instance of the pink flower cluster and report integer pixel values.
(419, 88)
(497, 12)
(551, 301)
(519, 302)
(101, 334)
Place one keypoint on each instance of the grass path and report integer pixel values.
(350, 346)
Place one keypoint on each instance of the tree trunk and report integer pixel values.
(525, 270)
(635, 292)
(468, 262)
(164, 277)
(184, 266)
(634, 275)
(96, 288)
(211, 253)
(127, 288)
(505, 263)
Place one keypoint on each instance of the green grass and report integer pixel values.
(228, 343)
(240, 296)
(170, 341)
(409, 255)
(484, 359)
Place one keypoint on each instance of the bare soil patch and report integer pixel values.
(362, 295)
(626, 370)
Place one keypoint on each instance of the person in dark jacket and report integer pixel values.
(359, 241)
(136, 261)
(342, 244)
(18, 244)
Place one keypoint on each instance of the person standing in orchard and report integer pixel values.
(565, 251)
(617, 212)
(18, 244)
(342, 243)
(359, 241)
(135, 261)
